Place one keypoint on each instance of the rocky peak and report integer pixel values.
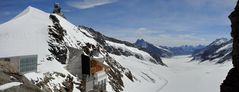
(153, 50)
(141, 42)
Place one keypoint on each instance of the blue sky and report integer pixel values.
(162, 22)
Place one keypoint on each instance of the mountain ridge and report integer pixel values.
(165, 51)
(50, 35)
(218, 51)
(162, 52)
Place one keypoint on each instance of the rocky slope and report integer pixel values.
(9, 75)
(121, 50)
(218, 51)
(155, 51)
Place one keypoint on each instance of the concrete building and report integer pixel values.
(23, 64)
(90, 70)
(74, 64)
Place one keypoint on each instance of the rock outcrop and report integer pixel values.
(9, 74)
(56, 41)
(231, 83)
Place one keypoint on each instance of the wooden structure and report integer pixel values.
(96, 66)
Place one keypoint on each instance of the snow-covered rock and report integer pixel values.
(218, 51)
(154, 50)
(124, 48)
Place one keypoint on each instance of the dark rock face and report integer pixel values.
(56, 34)
(231, 83)
(100, 38)
(115, 74)
(234, 17)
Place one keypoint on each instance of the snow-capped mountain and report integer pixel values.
(184, 50)
(119, 47)
(153, 50)
(218, 51)
(165, 51)
(50, 35)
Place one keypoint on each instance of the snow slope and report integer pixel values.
(28, 29)
(9, 85)
(180, 75)
(184, 76)
(147, 80)
(145, 55)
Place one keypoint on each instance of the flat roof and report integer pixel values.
(17, 56)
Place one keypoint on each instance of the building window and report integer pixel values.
(28, 63)
(104, 81)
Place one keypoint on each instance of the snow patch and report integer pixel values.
(9, 85)
(226, 47)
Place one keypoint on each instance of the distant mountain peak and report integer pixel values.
(142, 43)
(141, 40)
(154, 50)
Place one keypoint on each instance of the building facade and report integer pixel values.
(90, 70)
(23, 64)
